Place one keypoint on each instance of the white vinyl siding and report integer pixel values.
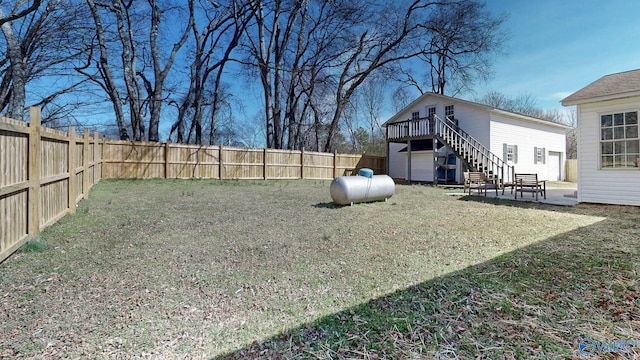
(596, 184)
(486, 127)
(397, 161)
(528, 137)
(421, 163)
(475, 122)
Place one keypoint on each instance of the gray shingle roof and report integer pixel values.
(609, 86)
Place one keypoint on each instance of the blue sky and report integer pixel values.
(557, 47)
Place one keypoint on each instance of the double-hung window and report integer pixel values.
(510, 153)
(431, 112)
(539, 155)
(449, 111)
(619, 142)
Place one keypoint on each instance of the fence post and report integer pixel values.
(34, 172)
(94, 169)
(264, 164)
(335, 163)
(220, 165)
(85, 165)
(302, 163)
(72, 169)
(166, 160)
(102, 150)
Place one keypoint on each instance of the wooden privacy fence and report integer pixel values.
(43, 174)
(571, 170)
(125, 159)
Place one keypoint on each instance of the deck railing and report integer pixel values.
(410, 129)
(476, 156)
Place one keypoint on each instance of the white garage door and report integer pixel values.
(554, 166)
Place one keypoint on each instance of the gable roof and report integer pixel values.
(397, 117)
(608, 87)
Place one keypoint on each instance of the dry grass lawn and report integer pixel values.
(272, 269)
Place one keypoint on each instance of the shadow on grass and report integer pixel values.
(515, 203)
(327, 205)
(535, 302)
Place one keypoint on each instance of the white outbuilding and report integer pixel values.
(608, 145)
(437, 137)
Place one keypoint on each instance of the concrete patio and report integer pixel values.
(563, 196)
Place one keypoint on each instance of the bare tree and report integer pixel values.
(372, 98)
(383, 43)
(572, 135)
(129, 57)
(524, 104)
(114, 67)
(213, 45)
(19, 10)
(104, 76)
(274, 24)
(457, 51)
(460, 51)
(401, 98)
(49, 41)
(17, 96)
(155, 89)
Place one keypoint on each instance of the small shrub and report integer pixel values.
(34, 246)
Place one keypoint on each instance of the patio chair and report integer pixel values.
(530, 183)
(480, 182)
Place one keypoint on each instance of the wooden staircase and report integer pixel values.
(474, 154)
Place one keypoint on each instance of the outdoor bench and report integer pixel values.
(530, 183)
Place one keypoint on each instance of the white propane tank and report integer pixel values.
(347, 190)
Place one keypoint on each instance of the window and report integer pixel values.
(619, 145)
(510, 153)
(431, 111)
(449, 111)
(539, 155)
(415, 115)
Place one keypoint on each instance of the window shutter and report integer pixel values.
(544, 155)
(515, 154)
(504, 152)
(535, 155)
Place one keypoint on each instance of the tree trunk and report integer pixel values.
(109, 82)
(17, 98)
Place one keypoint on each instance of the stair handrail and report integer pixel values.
(476, 145)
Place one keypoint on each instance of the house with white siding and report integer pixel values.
(436, 138)
(608, 140)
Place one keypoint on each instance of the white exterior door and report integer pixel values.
(555, 173)
(422, 166)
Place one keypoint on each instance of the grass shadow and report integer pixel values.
(327, 205)
(535, 302)
(518, 203)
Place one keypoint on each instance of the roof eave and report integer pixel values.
(396, 118)
(531, 119)
(571, 102)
